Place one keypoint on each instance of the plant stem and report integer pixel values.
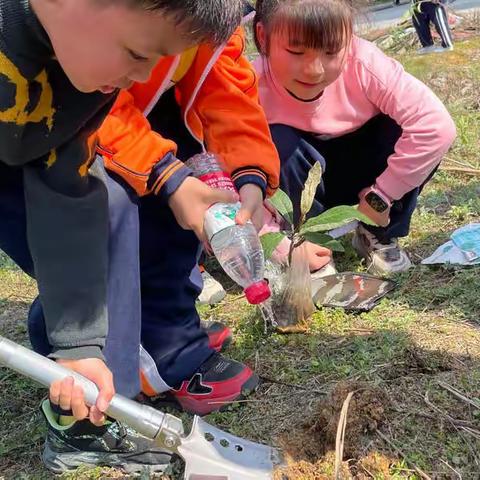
(290, 251)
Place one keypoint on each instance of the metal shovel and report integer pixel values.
(209, 453)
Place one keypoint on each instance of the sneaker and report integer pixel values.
(216, 384)
(425, 50)
(111, 445)
(382, 258)
(219, 335)
(328, 269)
(212, 292)
(443, 49)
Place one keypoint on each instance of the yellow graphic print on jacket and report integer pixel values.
(19, 113)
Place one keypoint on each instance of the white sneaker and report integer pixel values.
(212, 292)
(443, 49)
(382, 259)
(328, 269)
(425, 50)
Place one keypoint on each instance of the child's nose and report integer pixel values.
(314, 68)
(141, 73)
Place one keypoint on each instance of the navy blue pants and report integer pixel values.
(154, 278)
(350, 163)
(435, 13)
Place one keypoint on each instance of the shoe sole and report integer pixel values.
(169, 400)
(249, 387)
(59, 463)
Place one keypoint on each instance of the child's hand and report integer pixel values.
(192, 199)
(69, 396)
(251, 197)
(318, 256)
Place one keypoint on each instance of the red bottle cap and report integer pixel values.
(257, 292)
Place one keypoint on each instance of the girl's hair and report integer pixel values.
(205, 21)
(319, 24)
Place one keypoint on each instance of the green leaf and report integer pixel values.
(324, 240)
(333, 218)
(310, 188)
(283, 204)
(270, 242)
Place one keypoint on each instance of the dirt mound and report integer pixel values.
(303, 470)
(365, 415)
(374, 465)
(310, 449)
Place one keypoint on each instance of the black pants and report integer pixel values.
(436, 14)
(154, 278)
(350, 163)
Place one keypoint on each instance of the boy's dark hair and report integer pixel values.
(319, 24)
(205, 20)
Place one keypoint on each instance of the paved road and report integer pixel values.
(390, 16)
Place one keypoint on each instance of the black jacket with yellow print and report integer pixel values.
(45, 124)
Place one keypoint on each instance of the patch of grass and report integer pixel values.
(455, 77)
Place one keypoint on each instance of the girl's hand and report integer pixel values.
(318, 256)
(381, 219)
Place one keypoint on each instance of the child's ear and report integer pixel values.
(261, 37)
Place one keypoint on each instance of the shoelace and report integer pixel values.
(389, 250)
(120, 430)
(209, 363)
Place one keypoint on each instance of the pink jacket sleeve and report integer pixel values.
(428, 129)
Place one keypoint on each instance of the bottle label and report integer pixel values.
(219, 179)
(220, 216)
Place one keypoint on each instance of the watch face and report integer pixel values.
(376, 202)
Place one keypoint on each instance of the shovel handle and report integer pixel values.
(144, 419)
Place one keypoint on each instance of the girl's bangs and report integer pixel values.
(314, 26)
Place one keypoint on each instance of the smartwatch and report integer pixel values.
(377, 200)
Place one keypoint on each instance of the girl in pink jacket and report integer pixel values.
(334, 98)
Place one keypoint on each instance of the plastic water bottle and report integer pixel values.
(237, 247)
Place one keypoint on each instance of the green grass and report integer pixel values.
(426, 332)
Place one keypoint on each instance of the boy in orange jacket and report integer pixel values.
(205, 98)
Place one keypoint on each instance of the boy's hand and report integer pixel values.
(192, 199)
(251, 197)
(69, 396)
(318, 256)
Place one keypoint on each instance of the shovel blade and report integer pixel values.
(212, 454)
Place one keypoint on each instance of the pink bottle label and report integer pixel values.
(220, 180)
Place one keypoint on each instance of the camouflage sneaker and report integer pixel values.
(111, 445)
(382, 258)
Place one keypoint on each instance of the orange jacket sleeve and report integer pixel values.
(233, 123)
(139, 155)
